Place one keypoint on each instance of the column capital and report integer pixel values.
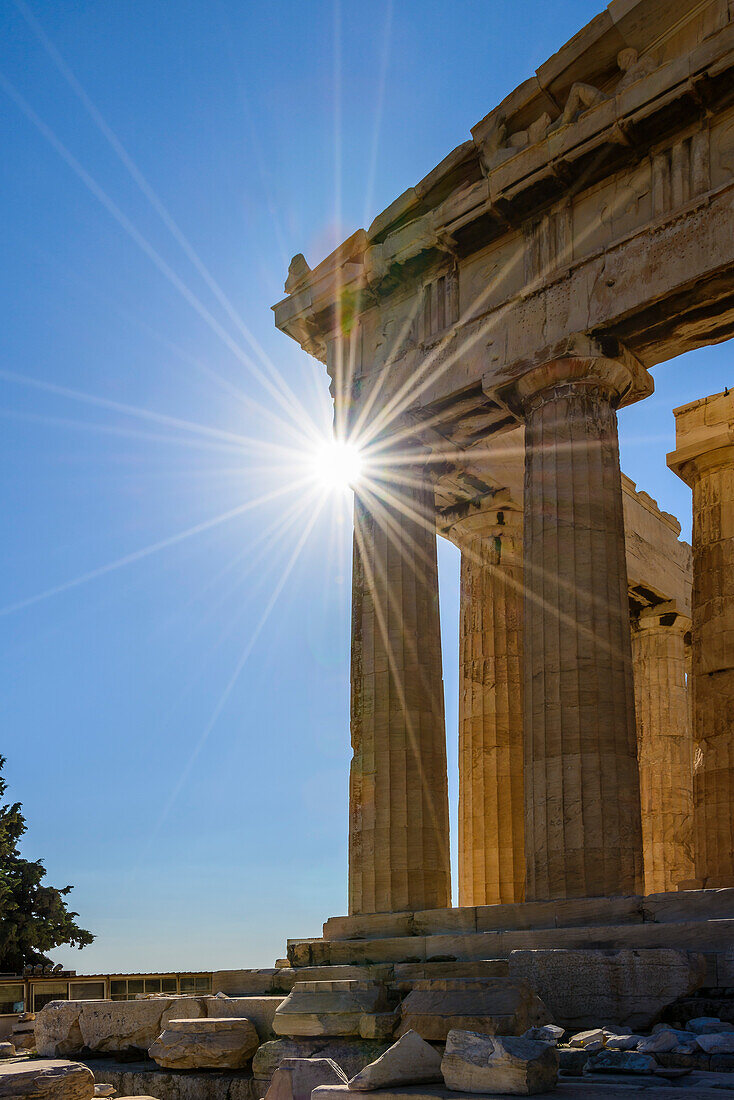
(487, 518)
(664, 616)
(704, 436)
(613, 376)
(604, 361)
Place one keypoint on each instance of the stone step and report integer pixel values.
(688, 905)
(399, 976)
(713, 938)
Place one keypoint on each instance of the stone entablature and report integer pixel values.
(496, 260)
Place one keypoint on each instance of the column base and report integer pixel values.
(691, 920)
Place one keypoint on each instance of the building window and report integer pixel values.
(86, 991)
(127, 989)
(196, 983)
(12, 999)
(43, 992)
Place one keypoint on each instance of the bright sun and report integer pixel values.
(338, 464)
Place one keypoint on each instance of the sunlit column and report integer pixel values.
(491, 791)
(664, 747)
(399, 830)
(704, 459)
(582, 795)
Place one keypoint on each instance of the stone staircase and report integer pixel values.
(695, 920)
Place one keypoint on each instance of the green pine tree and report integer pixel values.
(33, 917)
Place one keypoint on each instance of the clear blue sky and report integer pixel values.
(176, 724)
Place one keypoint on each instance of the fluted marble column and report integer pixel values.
(582, 795)
(398, 828)
(704, 459)
(491, 789)
(664, 747)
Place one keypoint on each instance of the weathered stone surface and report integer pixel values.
(580, 752)
(146, 1081)
(67, 1027)
(665, 746)
(57, 1030)
(378, 1025)
(549, 1033)
(260, 1011)
(722, 1043)
(351, 1055)
(627, 986)
(486, 1064)
(572, 1060)
(47, 1080)
(622, 1042)
(24, 1033)
(708, 1025)
(588, 1040)
(621, 1061)
(704, 459)
(491, 786)
(489, 1005)
(327, 1008)
(397, 750)
(226, 1043)
(663, 1041)
(410, 1061)
(7, 1050)
(296, 1078)
(104, 1090)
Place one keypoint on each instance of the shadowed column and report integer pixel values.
(491, 791)
(582, 797)
(704, 459)
(398, 828)
(664, 747)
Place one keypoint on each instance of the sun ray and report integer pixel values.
(420, 379)
(222, 701)
(297, 413)
(162, 544)
(152, 197)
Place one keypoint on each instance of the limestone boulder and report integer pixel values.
(663, 1041)
(490, 1064)
(315, 1009)
(296, 1078)
(110, 1027)
(708, 1025)
(550, 1033)
(351, 1055)
(492, 1006)
(622, 1042)
(7, 1050)
(212, 1043)
(621, 1061)
(41, 1079)
(588, 1040)
(410, 1061)
(631, 987)
(723, 1043)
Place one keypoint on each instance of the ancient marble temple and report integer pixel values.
(481, 336)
